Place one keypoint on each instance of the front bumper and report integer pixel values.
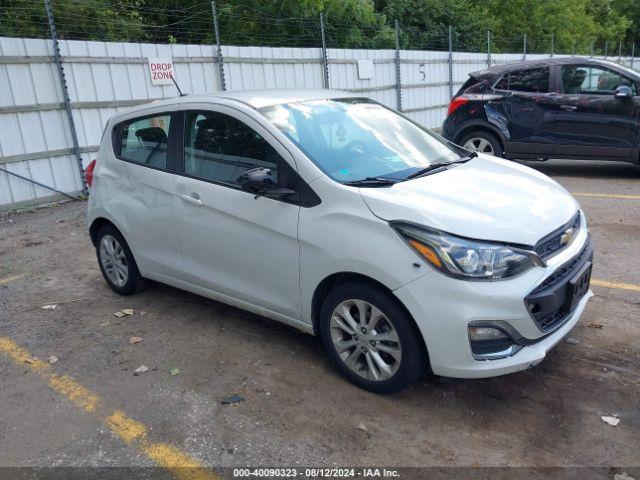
(444, 307)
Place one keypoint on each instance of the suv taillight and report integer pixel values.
(88, 173)
(455, 103)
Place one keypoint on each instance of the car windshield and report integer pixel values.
(353, 139)
(628, 71)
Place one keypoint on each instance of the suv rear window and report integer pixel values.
(474, 85)
(529, 80)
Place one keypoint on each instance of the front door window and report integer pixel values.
(591, 80)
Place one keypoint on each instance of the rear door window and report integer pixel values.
(534, 80)
(587, 79)
(144, 140)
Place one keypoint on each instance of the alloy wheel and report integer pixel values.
(365, 340)
(479, 144)
(113, 260)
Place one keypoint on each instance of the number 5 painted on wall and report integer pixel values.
(423, 75)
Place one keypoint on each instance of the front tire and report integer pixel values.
(482, 142)
(370, 338)
(116, 261)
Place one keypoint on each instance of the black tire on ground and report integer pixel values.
(134, 282)
(490, 138)
(413, 362)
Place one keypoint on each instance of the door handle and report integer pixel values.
(192, 198)
(568, 108)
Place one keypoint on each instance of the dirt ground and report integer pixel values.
(297, 410)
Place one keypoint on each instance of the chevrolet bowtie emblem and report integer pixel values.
(567, 236)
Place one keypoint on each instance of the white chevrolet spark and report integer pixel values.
(342, 218)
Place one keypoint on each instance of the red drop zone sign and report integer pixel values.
(161, 71)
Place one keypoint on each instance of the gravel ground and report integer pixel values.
(297, 409)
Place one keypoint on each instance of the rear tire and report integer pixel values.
(116, 261)
(482, 141)
(382, 351)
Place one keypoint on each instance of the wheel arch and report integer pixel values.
(331, 281)
(97, 224)
(483, 127)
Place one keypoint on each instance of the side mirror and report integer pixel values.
(623, 91)
(256, 179)
(259, 181)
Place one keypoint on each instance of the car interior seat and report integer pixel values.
(573, 79)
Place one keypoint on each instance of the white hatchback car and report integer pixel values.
(343, 218)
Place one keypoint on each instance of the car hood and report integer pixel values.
(486, 198)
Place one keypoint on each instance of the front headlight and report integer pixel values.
(464, 258)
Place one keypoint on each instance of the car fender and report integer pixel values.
(498, 120)
(635, 154)
(494, 125)
(97, 213)
(343, 236)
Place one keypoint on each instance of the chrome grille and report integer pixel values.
(553, 243)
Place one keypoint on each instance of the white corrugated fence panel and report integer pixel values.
(95, 72)
(344, 75)
(103, 75)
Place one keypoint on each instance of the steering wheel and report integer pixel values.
(357, 146)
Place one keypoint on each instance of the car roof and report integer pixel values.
(253, 98)
(507, 67)
(269, 97)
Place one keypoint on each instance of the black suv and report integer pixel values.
(573, 107)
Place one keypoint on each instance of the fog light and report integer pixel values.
(486, 333)
(489, 343)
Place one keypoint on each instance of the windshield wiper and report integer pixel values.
(372, 182)
(437, 166)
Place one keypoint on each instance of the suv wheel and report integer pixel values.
(116, 261)
(370, 338)
(483, 142)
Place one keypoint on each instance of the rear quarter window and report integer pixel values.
(475, 85)
(534, 80)
(143, 140)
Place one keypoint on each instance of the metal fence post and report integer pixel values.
(619, 52)
(633, 52)
(592, 44)
(398, 71)
(553, 41)
(606, 48)
(450, 62)
(488, 48)
(573, 49)
(65, 95)
(524, 47)
(325, 60)
(220, 60)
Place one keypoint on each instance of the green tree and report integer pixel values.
(569, 21)
(91, 20)
(349, 23)
(425, 23)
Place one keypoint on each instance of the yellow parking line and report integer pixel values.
(75, 392)
(606, 195)
(132, 432)
(5, 280)
(619, 286)
(179, 464)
